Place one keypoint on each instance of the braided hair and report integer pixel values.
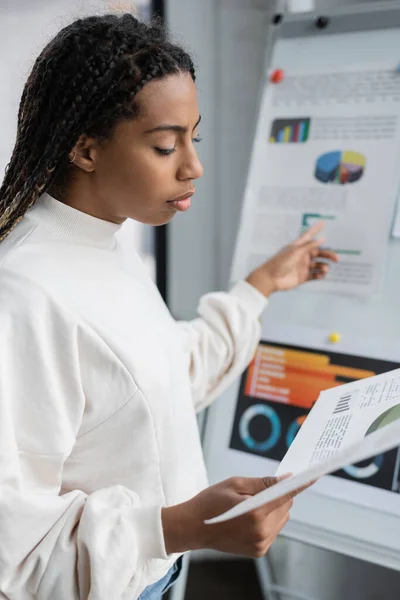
(83, 82)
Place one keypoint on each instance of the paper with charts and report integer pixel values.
(326, 148)
(348, 424)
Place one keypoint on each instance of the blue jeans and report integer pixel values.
(158, 589)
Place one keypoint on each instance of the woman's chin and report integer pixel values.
(164, 219)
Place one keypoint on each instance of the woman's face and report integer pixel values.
(148, 169)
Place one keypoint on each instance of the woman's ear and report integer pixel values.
(83, 154)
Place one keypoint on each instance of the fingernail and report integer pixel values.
(285, 476)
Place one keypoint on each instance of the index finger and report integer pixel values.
(309, 235)
(328, 254)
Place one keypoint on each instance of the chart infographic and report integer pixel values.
(286, 131)
(389, 416)
(340, 167)
(279, 389)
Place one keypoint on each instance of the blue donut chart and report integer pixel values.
(365, 472)
(270, 414)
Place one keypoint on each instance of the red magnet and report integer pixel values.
(277, 76)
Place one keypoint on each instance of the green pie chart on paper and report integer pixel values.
(389, 416)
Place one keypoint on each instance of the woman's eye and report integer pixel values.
(165, 151)
(168, 151)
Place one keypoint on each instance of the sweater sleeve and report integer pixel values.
(55, 545)
(221, 342)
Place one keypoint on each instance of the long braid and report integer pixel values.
(84, 82)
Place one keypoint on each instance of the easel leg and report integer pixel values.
(269, 589)
(265, 578)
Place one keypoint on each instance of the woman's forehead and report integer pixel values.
(170, 99)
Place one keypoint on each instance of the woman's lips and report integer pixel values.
(181, 205)
(182, 202)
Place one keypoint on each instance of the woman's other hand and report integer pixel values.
(302, 260)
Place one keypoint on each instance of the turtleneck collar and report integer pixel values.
(71, 224)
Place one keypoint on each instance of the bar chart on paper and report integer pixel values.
(286, 131)
(340, 167)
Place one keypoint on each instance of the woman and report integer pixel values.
(103, 485)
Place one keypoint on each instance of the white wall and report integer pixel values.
(223, 35)
(192, 258)
(25, 27)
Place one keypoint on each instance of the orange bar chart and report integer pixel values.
(295, 377)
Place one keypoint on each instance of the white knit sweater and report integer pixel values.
(98, 392)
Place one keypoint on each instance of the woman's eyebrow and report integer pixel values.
(176, 128)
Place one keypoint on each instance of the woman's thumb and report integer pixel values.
(263, 483)
(254, 485)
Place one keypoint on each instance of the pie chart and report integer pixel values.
(340, 166)
(369, 469)
(389, 416)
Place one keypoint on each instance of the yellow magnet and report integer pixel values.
(334, 338)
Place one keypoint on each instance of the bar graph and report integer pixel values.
(290, 131)
(295, 377)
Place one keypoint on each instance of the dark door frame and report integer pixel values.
(161, 233)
